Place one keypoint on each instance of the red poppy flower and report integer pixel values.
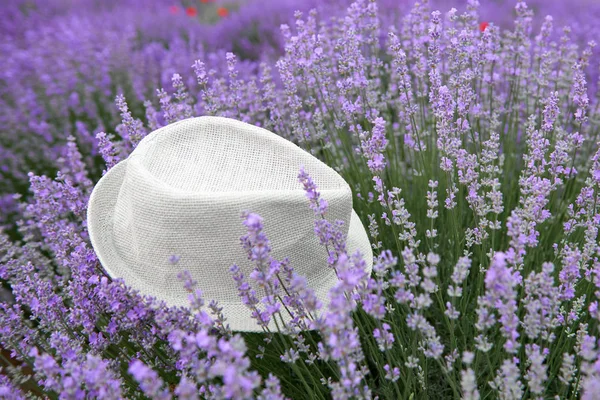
(483, 26)
(173, 9)
(205, 1)
(191, 11)
(222, 12)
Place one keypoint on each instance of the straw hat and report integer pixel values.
(182, 191)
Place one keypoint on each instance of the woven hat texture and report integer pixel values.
(182, 191)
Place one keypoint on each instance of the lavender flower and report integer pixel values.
(375, 145)
(133, 127)
(500, 282)
(384, 337)
(490, 112)
(148, 379)
(8, 390)
(107, 149)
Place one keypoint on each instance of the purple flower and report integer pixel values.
(374, 146)
(107, 149)
(501, 282)
(317, 204)
(134, 129)
(10, 391)
(272, 390)
(537, 373)
(149, 381)
(496, 118)
(186, 389)
(384, 337)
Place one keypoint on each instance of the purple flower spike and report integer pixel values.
(317, 204)
(149, 381)
(501, 283)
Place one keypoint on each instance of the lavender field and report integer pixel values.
(468, 133)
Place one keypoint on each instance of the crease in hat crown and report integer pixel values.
(181, 192)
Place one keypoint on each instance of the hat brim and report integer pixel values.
(100, 227)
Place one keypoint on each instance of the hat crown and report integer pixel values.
(212, 154)
(184, 189)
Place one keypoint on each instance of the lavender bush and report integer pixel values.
(67, 61)
(473, 156)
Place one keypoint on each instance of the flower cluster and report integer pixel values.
(469, 140)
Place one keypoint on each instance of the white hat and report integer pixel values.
(182, 191)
